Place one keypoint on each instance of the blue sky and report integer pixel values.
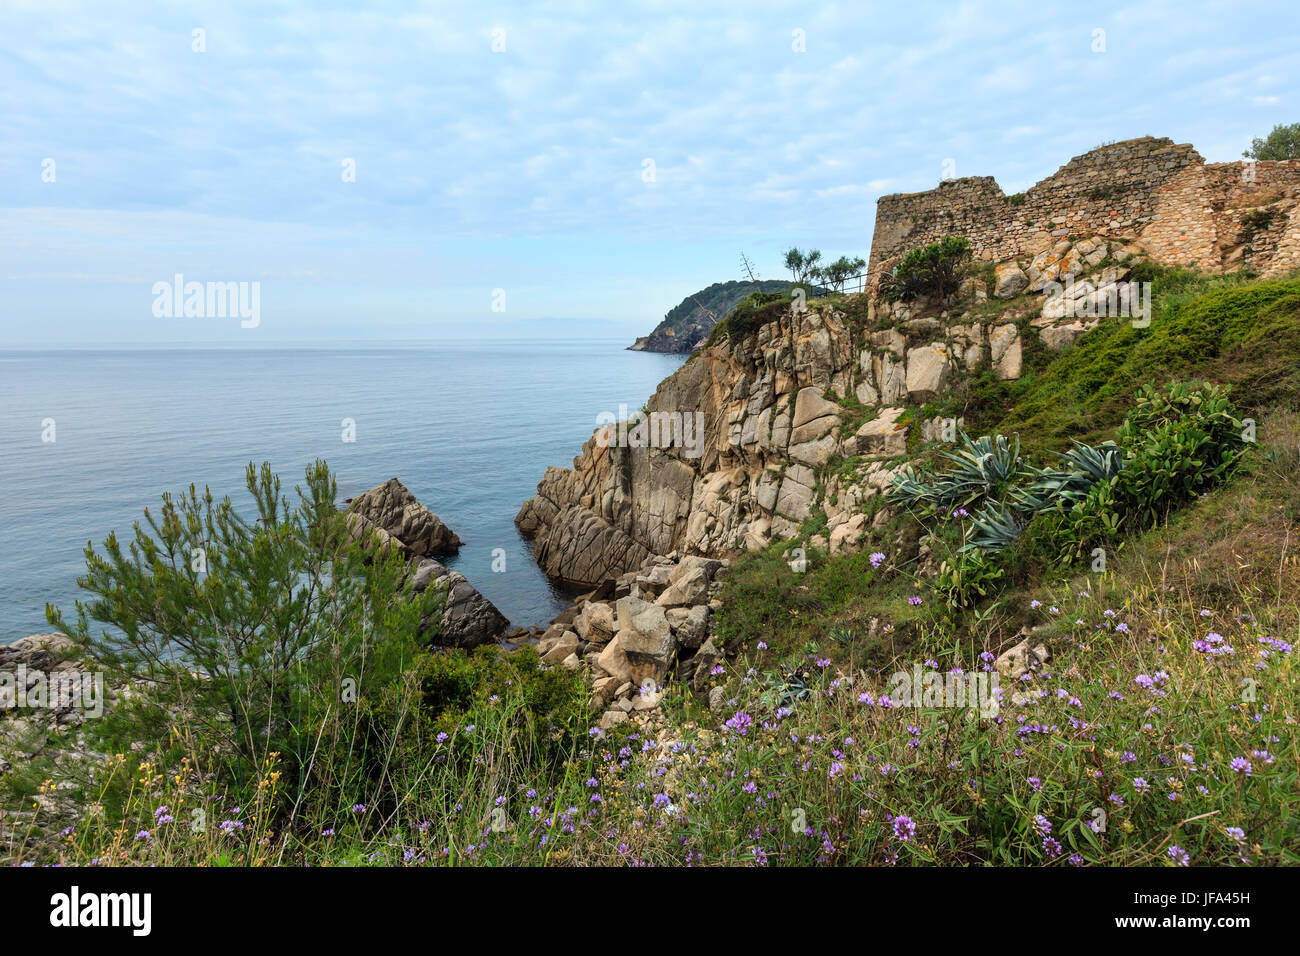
(524, 168)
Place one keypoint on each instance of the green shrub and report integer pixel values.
(1178, 442)
(982, 469)
(750, 314)
(936, 269)
(968, 577)
(241, 635)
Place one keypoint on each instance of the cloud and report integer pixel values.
(233, 156)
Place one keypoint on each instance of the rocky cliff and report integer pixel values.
(841, 382)
(689, 323)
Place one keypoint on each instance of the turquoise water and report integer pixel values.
(470, 429)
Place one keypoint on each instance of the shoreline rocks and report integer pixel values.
(392, 514)
(635, 632)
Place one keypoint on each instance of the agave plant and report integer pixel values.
(1064, 487)
(980, 467)
(786, 687)
(911, 488)
(994, 527)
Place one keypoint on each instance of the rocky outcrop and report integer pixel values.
(689, 323)
(391, 512)
(835, 383)
(46, 694)
(775, 407)
(392, 515)
(468, 618)
(638, 631)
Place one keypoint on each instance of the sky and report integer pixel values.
(386, 171)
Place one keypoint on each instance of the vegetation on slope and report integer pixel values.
(1161, 730)
(694, 317)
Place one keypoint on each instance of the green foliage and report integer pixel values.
(1178, 442)
(803, 265)
(447, 691)
(750, 314)
(835, 274)
(1219, 328)
(968, 577)
(981, 469)
(1064, 487)
(249, 655)
(936, 269)
(993, 527)
(1257, 220)
(1283, 142)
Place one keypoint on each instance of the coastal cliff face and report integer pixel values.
(768, 427)
(689, 323)
(809, 415)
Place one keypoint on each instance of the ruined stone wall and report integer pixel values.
(1152, 190)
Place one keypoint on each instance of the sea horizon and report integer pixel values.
(130, 425)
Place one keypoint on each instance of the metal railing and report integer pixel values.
(853, 284)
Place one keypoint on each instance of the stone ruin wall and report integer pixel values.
(1159, 193)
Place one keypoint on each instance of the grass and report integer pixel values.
(1141, 741)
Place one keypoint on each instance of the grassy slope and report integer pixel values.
(1100, 771)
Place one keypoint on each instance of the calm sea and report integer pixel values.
(469, 429)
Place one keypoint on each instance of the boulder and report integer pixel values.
(690, 589)
(1015, 661)
(1004, 346)
(705, 659)
(614, 662)
(690, 625)
(928, 369)
(1009, 280)
(844, 538)
(1060, 337)
(596, 622)
(881, 436)
(393, 510)
(564, 647)
(649, 645)
(468, 618)
(611, 719)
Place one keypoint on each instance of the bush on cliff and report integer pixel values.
(246, 636)
(936, 269)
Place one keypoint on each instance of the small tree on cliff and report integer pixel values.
(1282, 143)
(803, 265)
(835, 274)
(246, 636)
